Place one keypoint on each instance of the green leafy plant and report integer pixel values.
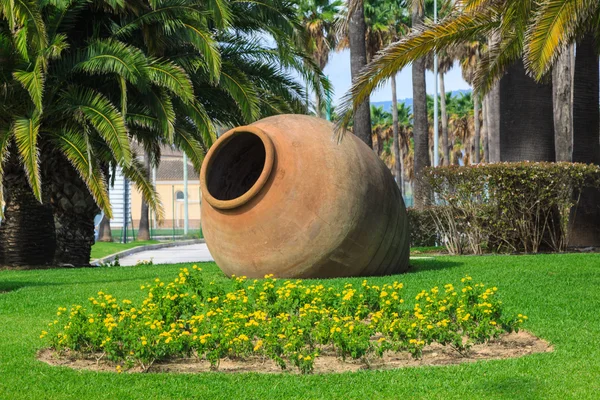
(290, 322)
(515, 207)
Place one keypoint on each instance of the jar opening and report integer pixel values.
(237, 167)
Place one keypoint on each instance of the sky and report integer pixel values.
(338, 71)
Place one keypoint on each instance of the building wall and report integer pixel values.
(174, 209)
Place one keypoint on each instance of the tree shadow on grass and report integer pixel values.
(431, 264)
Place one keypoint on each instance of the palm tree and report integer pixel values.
(539, 40)
(319, 19)
(357, 31)
(381, 122)
(92, 87)
(420, 125)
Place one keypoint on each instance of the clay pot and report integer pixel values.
(281, 197)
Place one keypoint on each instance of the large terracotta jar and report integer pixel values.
(282, 197)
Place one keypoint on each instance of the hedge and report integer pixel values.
(508, 207)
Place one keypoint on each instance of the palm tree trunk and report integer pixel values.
(484, 130)
(493, 124)
(144, 228)
(104, 231)
(396, 129)
(74, 211)
(586, 145)
(358, 59)
(586, 139)
(444, 113)
(493, 113)
(420, 124)
(27, 235)
(477, 133)
(526, 124)
(562, 91)
(318, 106)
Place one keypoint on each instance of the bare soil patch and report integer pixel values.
(507, 346)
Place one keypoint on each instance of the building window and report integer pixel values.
(179, 195)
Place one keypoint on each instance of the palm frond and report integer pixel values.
(420, 42)
(242, 91)
(185, 140)
(4, 142)
(109, 56)
(75, 147)
(136, 173)
(173, 78)
(100, 113)
(555, 25)
(162, 107)
(26, 134)
(33, 82)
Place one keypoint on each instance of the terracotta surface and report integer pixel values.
(281, 197)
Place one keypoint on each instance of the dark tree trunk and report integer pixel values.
(444, 115)
(586, 147)
(420, 127)
(104, 230)
(586, 139)
(27, 235)
(526, 123)
(396, 129)
(562, 96)
(358, 59)
(74, 211)
(144, 229)
(477, 133)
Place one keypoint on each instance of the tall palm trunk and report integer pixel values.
(420, 124)
(526, 124)
(104, 231)
(318, 106)
(396, 140)
(477, 133)
(358, 59)
(562, 96)
(484, 130)
(144, 228)
(27, 235)
(493, 124)
(444, 120)
(74, 211)
(586, 139)
(493, 113)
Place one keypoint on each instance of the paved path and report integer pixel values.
(171, 255)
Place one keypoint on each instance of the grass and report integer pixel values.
(103, 249)
(559, 293)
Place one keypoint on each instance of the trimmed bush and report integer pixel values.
(508, 207)
(423, 231)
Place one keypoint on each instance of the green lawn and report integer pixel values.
(103, 249)
(559, 293)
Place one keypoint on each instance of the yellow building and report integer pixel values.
(168, 179)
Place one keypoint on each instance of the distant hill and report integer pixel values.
(387, 105)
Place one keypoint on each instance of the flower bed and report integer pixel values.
(290, 322)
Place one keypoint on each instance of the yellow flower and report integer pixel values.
(258, 345)
(91, 320)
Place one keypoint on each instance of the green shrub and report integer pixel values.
(287, 321)
(423, 232)
(514, 207)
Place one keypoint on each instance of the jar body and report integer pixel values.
(313, 207)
